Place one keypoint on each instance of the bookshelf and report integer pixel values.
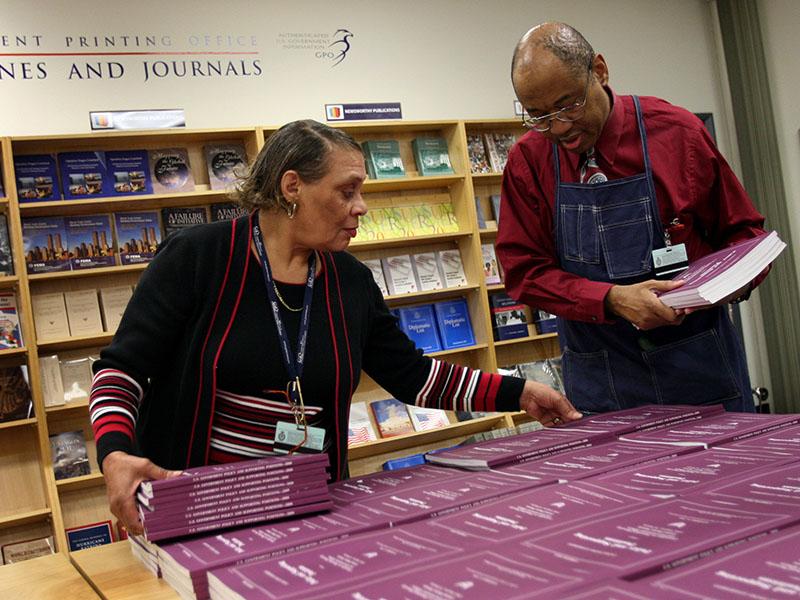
(32, 503)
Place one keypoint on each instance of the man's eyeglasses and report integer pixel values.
(568, 114)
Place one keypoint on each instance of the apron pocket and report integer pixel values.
(626, 236)
(694, 370)
(579, 237)
(587, 380)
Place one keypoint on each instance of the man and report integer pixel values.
(603, 188)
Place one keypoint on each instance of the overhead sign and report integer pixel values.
(362, 112)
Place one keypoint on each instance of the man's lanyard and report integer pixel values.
(294, 365)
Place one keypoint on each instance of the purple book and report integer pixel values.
(611, 590)
(314, 571)
(642, 418)
(651, 538)
(713, 431)
(776, 487)
(384, 482)
(685, 473)
(763, 568)
(786, 439)
(532, 512)
(526, 446)
(84, 175)
(573, 465)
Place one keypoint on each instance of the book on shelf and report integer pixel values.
(227, 211)
(478, 163)
(376, 268)
(455, 328)
(83, 312)
(419, 218)
(431, 155)
(10, 336)
(76, 378)
(6, 259)
(479, 213)
(425, 419)
(419, 324)
(89, 536)
(171, 171)
(399, 273)
(15, 394)
(37, 178)
(16, 552)
(542, 371)
(491, 268)
(90, 242)
(452, 268)
(177, 218)
(359, 427)
(45, 244)
(383, 159)
(509, 320)
(50, 316)
(395, 223)
(428, 271)
(129, 172)
(84, 175)
(138, 236)
(391, 417)
(2, 187)
(497, 147)
(545, 322)
(444, 217)
(68, 450)
(226, 164)
(714, 277)
(113, 302)
(52, 385)
(495, 200)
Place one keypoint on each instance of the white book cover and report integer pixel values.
(424, 419)
(52, 385)
(50, 316)
(83, 312)
(429, 277)
(452, 268)
(359, 428)
(376, 268)
(399, 273)
(114, 300)
(491, 269)
(76, 377)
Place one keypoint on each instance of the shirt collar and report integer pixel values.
(608, 142)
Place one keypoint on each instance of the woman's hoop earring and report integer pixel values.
(291, 209)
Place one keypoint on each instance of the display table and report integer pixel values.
(118, 575)
(44, 578)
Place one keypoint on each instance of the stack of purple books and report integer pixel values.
(232, 495)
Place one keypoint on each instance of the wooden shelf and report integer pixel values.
(8, 281)
(411, 183)
(80, 483)
(82, 405)
(431, 294)
(75, 342)
(109, 204)
(523, 340)
(33, 516)
(442, 353)
(81, 273)
(18, 423)
(417, 240)
(496, 287)
(9, 352)
(486, 178)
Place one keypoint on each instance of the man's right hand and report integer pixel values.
(639, 304)
(123, 474)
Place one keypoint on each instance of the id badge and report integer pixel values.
(670, 260)
(288, 435)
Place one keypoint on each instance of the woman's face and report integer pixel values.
(329, 208)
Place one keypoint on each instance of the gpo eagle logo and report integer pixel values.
(340, 46)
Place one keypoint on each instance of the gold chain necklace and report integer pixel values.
(282, 301)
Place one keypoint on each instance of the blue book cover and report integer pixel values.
(138, 236)
(44, 242)
(508, 317)
(37, 178)
(89, 536)
(91, 243)
(545, 322)
(84, 175)
(129, 172)
(455, 328)
(419, 324)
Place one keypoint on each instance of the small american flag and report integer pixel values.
(357, 435)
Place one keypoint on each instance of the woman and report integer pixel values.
(205, 368)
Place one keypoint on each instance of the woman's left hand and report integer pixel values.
(546, 405)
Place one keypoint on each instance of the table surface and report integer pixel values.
(45, 578)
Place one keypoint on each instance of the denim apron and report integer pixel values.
(606, 232)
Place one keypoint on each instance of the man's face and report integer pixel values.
(546, 84)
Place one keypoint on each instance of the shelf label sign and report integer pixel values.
(137, 119)
(363, 112)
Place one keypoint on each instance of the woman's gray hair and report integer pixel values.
(302, 146)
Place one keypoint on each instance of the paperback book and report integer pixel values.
(452, 268)
(129, 172)
(399, 274)
(491, 268)
(70, 459)
(497, 148)
(84, 175)
(425, 419)
(545, 322)
(359, 427)
(426, 268)
(227, 211)
(383, 159)
(113, 302)
(50, 375)
(419, 324)
(15, 394)
(542, 371)
(37, 178)
(479, 213)
(376, 268)
(50, 316)
(138, 236)
(175, 219)
(83, 312)
(45, 244)
(76, 379)
(455, 328)
(16, 552)
(171, 171)
(6, 259)
(391, 417)
(509, 320)
(89, 536)
(478, 162)
(10, 336)
(431, 155)
(226, 164)
(90, 241)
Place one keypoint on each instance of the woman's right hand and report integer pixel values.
(123, 473)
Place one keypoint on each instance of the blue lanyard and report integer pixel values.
(294, 366)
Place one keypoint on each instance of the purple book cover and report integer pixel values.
(532, 512)
(777, 487)
(611, 590)
(685, 473)
(642, 418)
(84, 175)
(647, 539)
(129, 172)
(91, 243)
(720, 429)
(573, 465)
(785, 439)
(763, 568)
(37, 178)
(313, 571)
(383, 482)
(526, 446)
(45, 244)
(138, 236)
(477, 576)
